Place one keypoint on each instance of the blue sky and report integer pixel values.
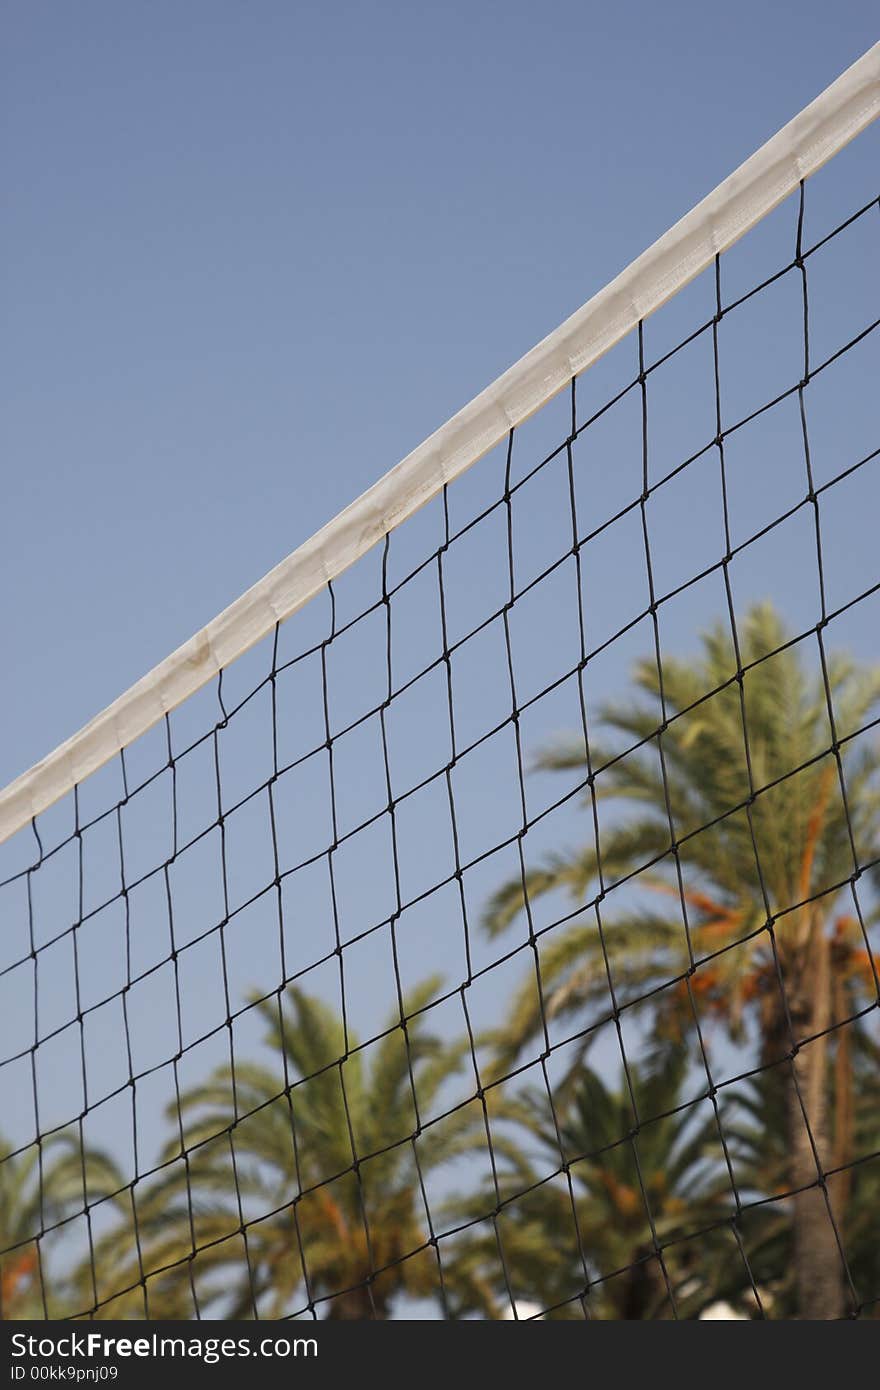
(254, 256)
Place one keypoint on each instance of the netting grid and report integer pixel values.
(499, 938)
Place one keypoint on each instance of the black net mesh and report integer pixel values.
(499, 939)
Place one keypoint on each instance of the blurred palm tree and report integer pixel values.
(756, 1132)
(41, 1188)
(299, 1185)
(752, 813)
(862, 1180)
(635, 1213)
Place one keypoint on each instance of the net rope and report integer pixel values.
(209, 1218)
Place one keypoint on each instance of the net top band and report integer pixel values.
(850, 104)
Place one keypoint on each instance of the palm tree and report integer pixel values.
(313, 1195)
(169, 1254)
(41, 1188)
(863, 1179)
(736, 780)
(755, 1128)
(635, 1170)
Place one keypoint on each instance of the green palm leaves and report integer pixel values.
(747, 795)
(776, 845)
(717, 889)
(302, 1182)
(588, 1221)
(41, 1188)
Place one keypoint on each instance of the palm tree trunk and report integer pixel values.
(843, 1104)
(818, 1268)
(644, 1291)
(356, 1306)
(817, 1263)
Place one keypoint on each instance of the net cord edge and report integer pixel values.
(742, 200)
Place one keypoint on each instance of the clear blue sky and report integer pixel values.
(253, 254)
